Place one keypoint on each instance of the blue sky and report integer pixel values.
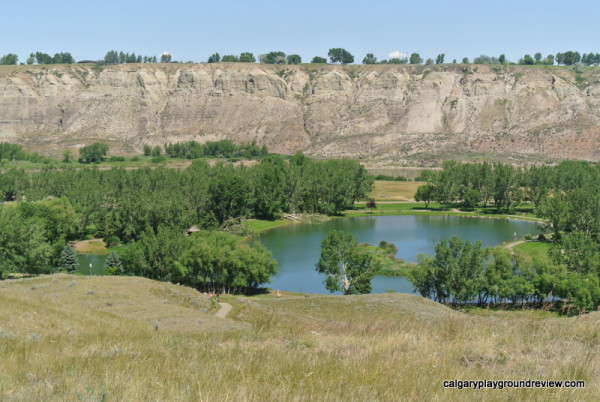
(193, 30)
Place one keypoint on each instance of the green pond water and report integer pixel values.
(297, 247)
(96, 261)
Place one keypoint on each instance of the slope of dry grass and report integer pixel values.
(60, 340)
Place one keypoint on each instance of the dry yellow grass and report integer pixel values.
(93, 246)
(395, 190)
(58, 341)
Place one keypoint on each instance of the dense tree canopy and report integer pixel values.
(415, 58)
(275, 57)
(341, 56)
(214, 58)
(9, 58)
(93, 153)
(319, 60)
(207, 260)
(370, 59)
(293, 59)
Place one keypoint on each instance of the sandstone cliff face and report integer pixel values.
(378, 113)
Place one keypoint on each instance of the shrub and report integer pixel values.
(112, 241)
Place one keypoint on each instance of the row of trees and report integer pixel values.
(114, 57)
(567, 195)
(14, 152)
(336, 56)
(464, 272)
(222, 148)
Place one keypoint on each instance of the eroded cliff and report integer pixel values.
(388, 114)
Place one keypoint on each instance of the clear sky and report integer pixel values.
(193, 30)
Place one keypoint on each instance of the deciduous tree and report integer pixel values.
(347, 269)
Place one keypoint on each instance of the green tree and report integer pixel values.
(67, 156)
(155, 151)
(269, 186)
(293, 59)
(319, 60)
(415, 58)
(218, 261)
(24, 245)
(440, 58)
(63, 58)
(230, 191)
(465, 60)
(341, 56)
(230, 58)
(502, 59)
(247, 58)
(348, 269)
(154, 254)
(472, 198)
(165, 57)
(371, 204)
(113, 265)
(578, 253)
(425, 193)
(527, 60)
(214, 58)
(68, 259)
(9, 58)
(370, 59)
(147, 150)
(93, 153)
(273, 58)
(455, 274)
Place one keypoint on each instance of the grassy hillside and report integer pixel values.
(105, 338)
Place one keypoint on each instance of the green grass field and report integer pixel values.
(534, 251)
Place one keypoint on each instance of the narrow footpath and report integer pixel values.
(224, 310)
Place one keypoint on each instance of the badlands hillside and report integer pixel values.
(383, 114)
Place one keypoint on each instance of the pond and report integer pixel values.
(95, 260)
(297, 247)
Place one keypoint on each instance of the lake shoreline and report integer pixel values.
(278, 223)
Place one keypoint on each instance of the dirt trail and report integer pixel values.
(512, 245)
(224, 310)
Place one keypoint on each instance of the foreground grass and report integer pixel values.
(59, 342)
